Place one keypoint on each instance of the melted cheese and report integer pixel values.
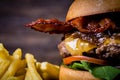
(77, 46)
(110, 40)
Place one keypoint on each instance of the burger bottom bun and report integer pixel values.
(70, 74)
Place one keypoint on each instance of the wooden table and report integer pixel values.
(13, 34)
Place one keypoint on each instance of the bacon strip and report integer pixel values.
(51, 26)
(93, 26)
(58, 27)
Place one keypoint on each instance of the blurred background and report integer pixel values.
(14, 14)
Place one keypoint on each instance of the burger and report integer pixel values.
(90, 45)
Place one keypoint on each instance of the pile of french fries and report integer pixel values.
(14, 67)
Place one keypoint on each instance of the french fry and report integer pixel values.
(16, 78)
(46, 76)
(38, 65)
(3, 67)
(22, 68)
(11, 70)
(4, 60)
(3, 52)
(17, 54)
(14, 65)
(23, 64)
(20, 72)
(49, 70)
(28, 75)
(32, 68)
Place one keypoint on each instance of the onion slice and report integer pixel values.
(71, 59)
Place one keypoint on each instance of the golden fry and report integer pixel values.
(38, 65)
(17, 54)
(28, 75)
(32, 68)
(3, 67)
(20, 72)
(13, 67)
(49, 70)
(16, 78)
(22, 68)
(23, 64)
(46, 76)
(3, 52)
(11, 70)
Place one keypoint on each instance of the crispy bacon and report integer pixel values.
(78, 23)
(95, 27)
(51, 26)
(81, 24)
(103, 25)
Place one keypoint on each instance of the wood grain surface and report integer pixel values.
(14, 14)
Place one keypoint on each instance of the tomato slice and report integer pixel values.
(70, 59)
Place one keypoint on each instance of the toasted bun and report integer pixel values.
(70, 74)
(90, 7)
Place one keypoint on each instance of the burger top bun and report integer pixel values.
(90, 7)
(70, 74)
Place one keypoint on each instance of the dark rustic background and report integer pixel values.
(14, 14)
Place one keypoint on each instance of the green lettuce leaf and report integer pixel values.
(102, 72)
(105, 72)
(82, 65)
